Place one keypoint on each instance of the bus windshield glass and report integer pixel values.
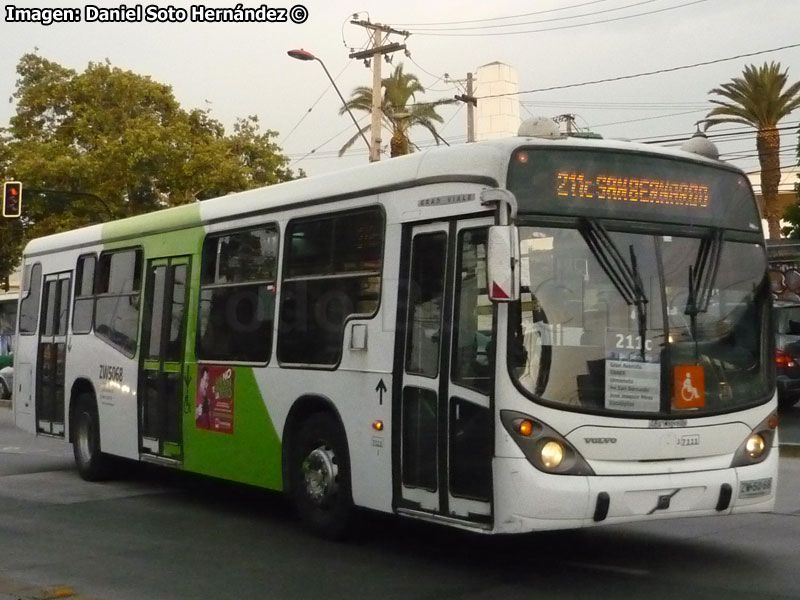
(614, 321)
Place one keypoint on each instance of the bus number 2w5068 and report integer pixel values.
(632, 342)
(111, 373)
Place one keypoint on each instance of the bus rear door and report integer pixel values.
(162, 370)
(52, 354)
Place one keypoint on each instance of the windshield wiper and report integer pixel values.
(624, 276)
(702, 276)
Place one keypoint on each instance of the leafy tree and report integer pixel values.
(111, 143)
(399, 110)
(760, 99)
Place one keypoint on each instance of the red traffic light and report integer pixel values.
(12, 199)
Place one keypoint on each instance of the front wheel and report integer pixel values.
(320, 477)
(92, 464)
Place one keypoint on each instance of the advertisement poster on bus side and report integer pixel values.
(214, 404)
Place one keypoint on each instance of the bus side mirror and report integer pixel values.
(502, 263)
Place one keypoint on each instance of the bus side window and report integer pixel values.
(29, 308)
(474, 313)
(237, 295)
(117, 289)
(83, 311)
(332, 271)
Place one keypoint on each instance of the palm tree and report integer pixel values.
(398, 115)
(758, 99)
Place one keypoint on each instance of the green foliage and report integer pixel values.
(119, 144)
(399, 109)
(757, 98)
(760, 99)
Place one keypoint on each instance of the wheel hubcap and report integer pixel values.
(84, 438)
(319, 474)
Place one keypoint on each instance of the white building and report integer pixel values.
(497, 116)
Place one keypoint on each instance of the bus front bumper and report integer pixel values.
(528, 500)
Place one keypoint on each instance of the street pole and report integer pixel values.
(375, 129)
(470, 111)
(470, 100)
(374, 54)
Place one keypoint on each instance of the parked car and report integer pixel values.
(6, 382)
(786, 324)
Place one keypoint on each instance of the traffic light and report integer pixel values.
(12, 199)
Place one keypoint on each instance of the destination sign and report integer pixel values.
(574, 184)
(614, 184)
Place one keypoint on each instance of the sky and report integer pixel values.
(241, 69)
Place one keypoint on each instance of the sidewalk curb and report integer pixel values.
(790, 450)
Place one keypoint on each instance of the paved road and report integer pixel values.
(162, 535)
(790, 425)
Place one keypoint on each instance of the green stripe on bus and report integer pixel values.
(251, 454)
(159, 222)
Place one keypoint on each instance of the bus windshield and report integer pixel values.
(615, 321)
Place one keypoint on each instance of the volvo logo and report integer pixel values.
(600, 440)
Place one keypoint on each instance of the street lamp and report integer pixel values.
(305, 55)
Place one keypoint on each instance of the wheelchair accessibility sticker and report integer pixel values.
(688, 387)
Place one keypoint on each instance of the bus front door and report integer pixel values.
(443, 398)
(161, 370)
(52, 354)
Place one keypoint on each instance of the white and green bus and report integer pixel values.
(505, 336)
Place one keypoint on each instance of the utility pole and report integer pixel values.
(471, 101)
(380, 35)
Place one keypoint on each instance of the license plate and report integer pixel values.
(755, 487)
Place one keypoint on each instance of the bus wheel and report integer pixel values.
(320, 477)
(92, 464)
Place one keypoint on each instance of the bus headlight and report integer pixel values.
(755, 445)
(552, 454)
(543, 446)
(758, 444)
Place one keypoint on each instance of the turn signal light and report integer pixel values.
(524, 427)
(782, 359)
(377, 425)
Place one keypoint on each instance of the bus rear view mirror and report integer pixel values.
(502, 263)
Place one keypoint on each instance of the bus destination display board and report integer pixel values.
(574, 184)
(623, 185)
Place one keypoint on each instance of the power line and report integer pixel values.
(295, 162)
(725, 133)
(540, 12)
(717, 132)
(591, 14)
(646, 73)
(652, 12)
(308, 112)
(633, 106)
(688, 112)
(430, 88)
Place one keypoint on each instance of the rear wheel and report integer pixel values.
(92, 464)
(5, 393)
(320, 477)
